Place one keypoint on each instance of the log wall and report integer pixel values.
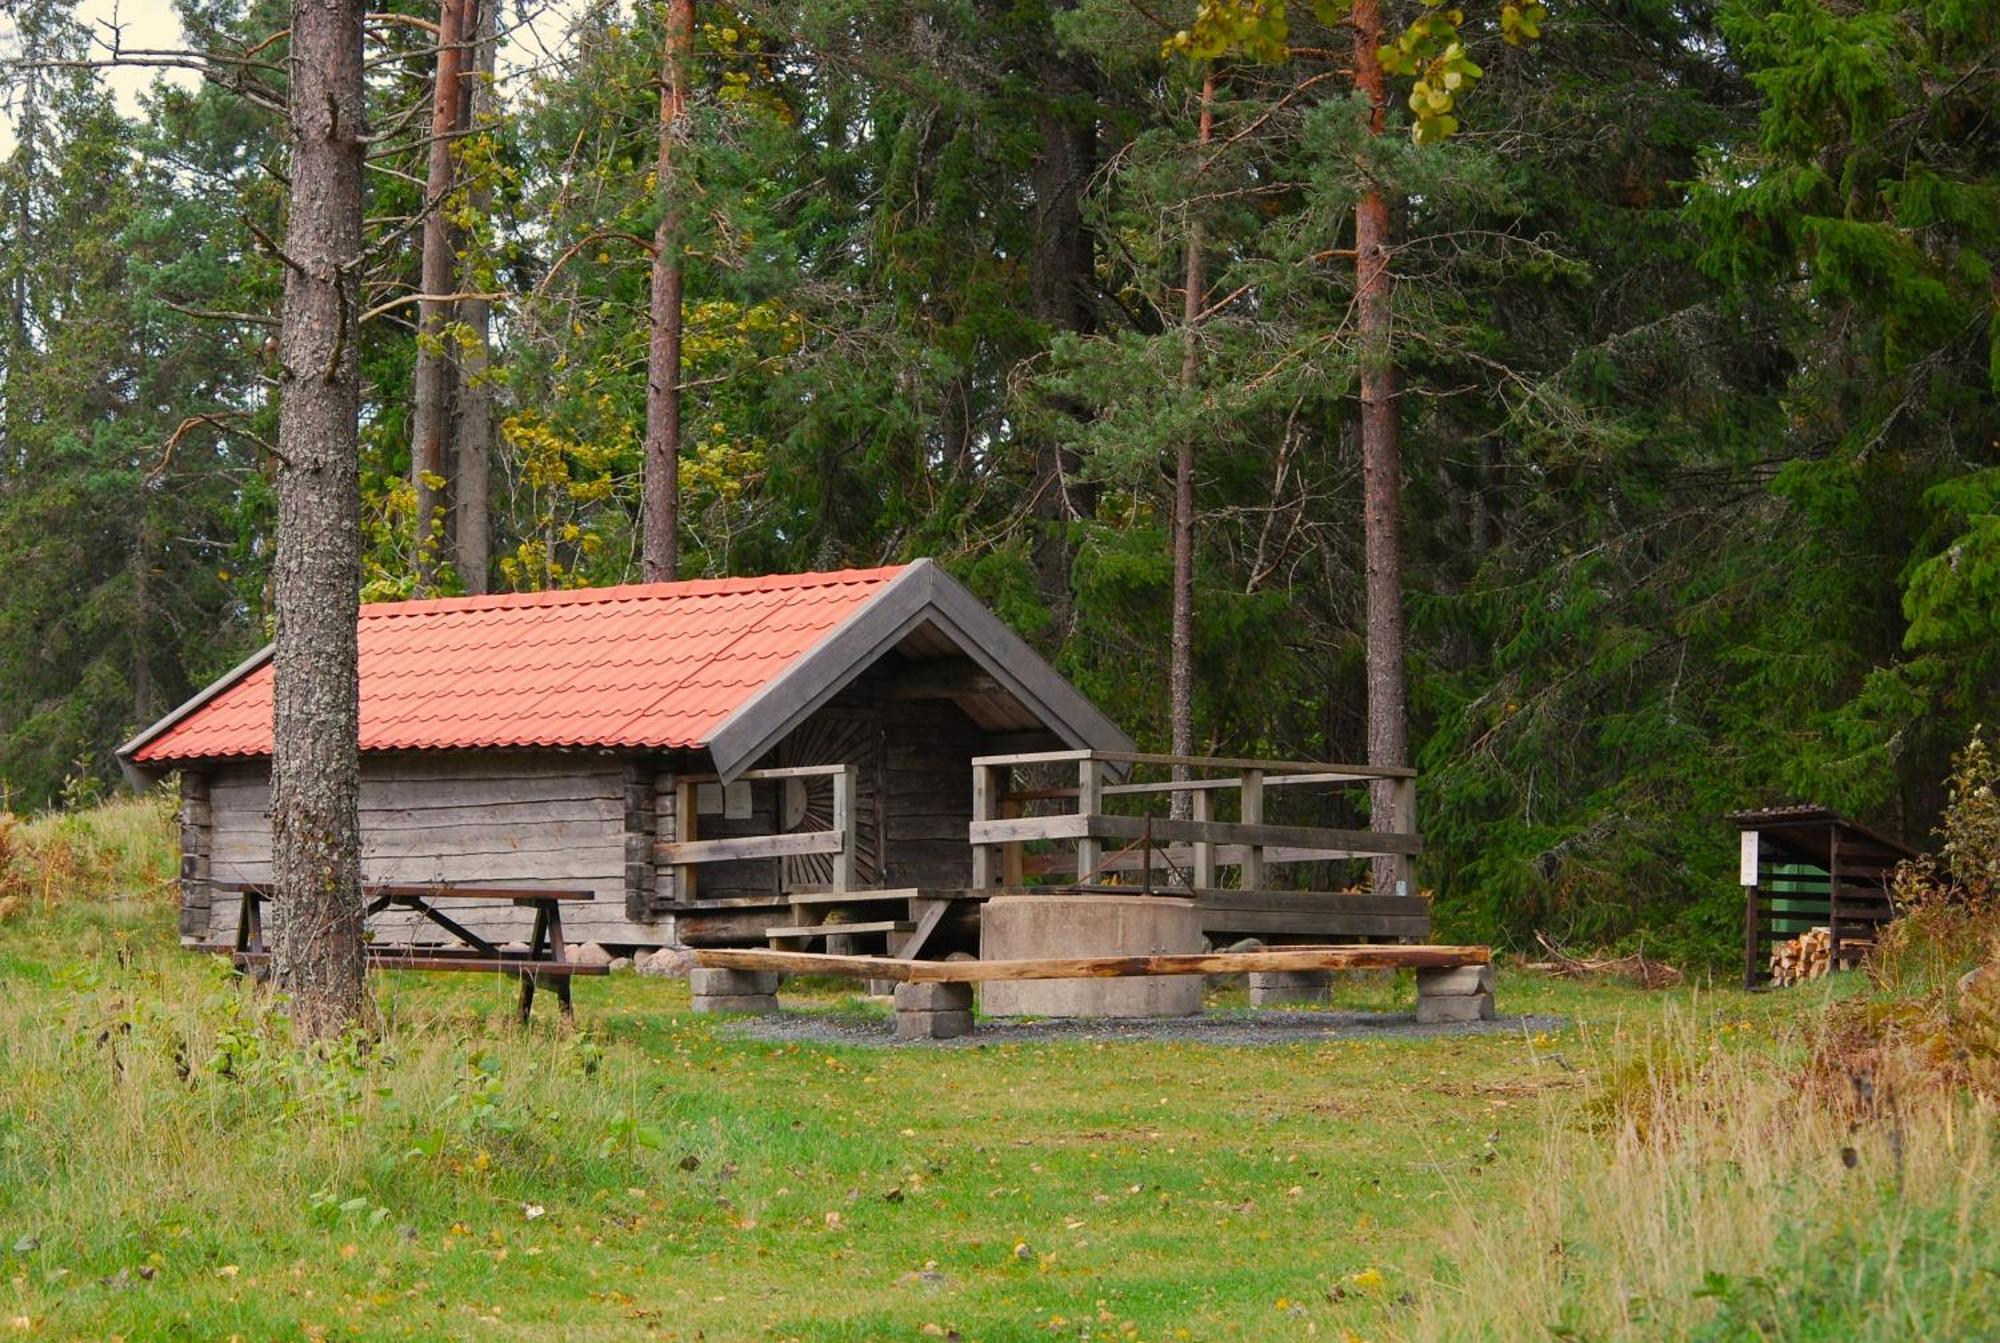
(544, 818)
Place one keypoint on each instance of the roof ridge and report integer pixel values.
(628, 592)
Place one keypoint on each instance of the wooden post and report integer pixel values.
(1013, 872)
(1089, 802)
(985, 807)
(1750, 930)
(687, 826)
(197, 850)
(844, 788)
(1252, 877)
(1204, 852)
(640, 873)
(1833, 897)
(1404, 866)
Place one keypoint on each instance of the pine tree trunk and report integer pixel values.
(473, 533)
(1180, 655)
(1063, 278)
(660, 552)
(144, 710)
(430, 411)
(316, 577)
(1381, 454)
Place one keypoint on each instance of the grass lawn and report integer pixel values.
(169, 1168)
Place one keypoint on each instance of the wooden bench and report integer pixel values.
(546, 962)
(934, 998)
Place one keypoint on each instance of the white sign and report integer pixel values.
(1746, 864)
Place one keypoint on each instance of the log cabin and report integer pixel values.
(701, 755)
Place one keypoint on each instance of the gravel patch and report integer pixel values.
(1266, 1026)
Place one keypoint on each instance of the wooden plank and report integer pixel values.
(1342, 842)
(416, 891)
(1355, 773)
(1032, 828)
(1412, 906)
(1315, 923)
(1350, 957)
(930, 914)
(751, 846)
(796, 896)
(467, 964)
(1089, 802)
(845, 929)
(987, 785)
(846, 781)
(1254, 854)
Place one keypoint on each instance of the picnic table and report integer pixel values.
(545, 961)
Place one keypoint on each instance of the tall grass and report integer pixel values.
(120, 850)
(1729, 1200)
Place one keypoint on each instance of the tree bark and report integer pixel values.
(430, 412)
(660, 546)
(1381, 453)
(144, 710)
(473, 532)
(1180, 656)
(1063, 278)
(316, 577)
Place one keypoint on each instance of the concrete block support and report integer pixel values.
(1024, 927)
(921, 1025)
(1452, 996)
(933, 1011)
(1276, 988)
(934, 997)
(749, 991)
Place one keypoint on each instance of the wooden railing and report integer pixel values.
(689, 851)
(1194, 849)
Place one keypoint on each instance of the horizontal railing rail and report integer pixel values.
(1195, 847)
(690, 852)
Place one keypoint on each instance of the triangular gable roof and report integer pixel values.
(726, 665)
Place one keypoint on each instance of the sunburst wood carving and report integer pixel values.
(834, 738)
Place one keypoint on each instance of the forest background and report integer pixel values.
(1695, 323)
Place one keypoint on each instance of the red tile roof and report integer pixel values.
(648, 665)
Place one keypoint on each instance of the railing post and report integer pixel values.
(1204, 852)
(1404, 865)
(844, 823)
(1089, 802)
(1013, 871)
(686, 826)
(985, 807)
(1252, 878)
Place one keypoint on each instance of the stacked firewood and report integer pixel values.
(1807, 956)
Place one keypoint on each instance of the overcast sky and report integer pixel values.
(535, 30)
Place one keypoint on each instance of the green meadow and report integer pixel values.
(172, 1166)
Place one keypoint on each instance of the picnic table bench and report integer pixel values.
(546, 961)
(934, 998)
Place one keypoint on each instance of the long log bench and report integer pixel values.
(934, 998)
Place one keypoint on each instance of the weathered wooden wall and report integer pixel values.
(927, 793)
(488, 818)
(590, 820)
